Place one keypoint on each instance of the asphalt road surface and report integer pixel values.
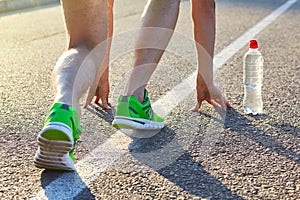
(198, 155)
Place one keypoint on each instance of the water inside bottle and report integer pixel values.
(252, 100)
(253, 74)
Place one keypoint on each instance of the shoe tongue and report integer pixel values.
(145, 96)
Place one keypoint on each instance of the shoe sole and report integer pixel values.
(53, 153)
(136, 123)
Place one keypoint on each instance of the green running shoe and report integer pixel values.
(132, 114)
(57, 139)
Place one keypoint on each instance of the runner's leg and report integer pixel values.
(75, 71)
(158, 23)
(86, 23)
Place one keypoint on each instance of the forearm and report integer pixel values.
(203, 14)
(110, 24)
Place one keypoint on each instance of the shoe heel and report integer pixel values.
(55, 142)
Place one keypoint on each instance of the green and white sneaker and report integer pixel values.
(57, 139)
(132, 114)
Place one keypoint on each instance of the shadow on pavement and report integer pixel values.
(161, 140)
(61, 190)
(193, 178)
(235, 121)
(165, 154)
(240, 124)
(100, 111)
(286, 128)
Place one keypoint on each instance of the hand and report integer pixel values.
(211, 95)
(100, 90)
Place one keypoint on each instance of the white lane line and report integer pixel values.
(166, 103)
(69, 185)
(240, 42)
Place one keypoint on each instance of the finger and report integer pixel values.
(90, 96)
(97, 99)
(105, 103)
(223, 104)
(97, 93)
(228, 104)
(196, 108)
(213, 103)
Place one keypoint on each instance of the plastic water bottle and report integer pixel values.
(253, 77)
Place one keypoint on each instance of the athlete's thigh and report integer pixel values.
(86, 21)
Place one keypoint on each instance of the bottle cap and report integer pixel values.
(253, 44)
